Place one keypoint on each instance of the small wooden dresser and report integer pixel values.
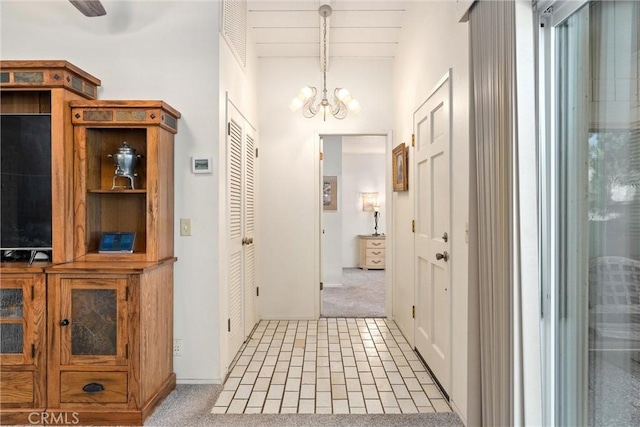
(372, 252)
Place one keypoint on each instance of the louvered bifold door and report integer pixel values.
(235, 268)
(250, 292)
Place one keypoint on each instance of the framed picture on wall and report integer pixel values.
(330, 193)
(399, 161)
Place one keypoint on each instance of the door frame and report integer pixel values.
(317, 220)
(549, 14)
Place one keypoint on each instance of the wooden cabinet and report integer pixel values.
(372, 252)
(110, 329)
(100, 128)
(90, 335)
(23, 344)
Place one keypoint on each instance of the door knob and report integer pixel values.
(64, 322)
(443, 255)
(445, 237)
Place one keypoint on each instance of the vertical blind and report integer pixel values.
(492, 36)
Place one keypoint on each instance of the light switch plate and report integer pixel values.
(185, 227)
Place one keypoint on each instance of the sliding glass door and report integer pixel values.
(592, 159)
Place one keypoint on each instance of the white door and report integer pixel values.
(432, 228)
(250, 290)
(242, 297)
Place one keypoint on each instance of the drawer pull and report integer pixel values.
(93, 388)
(376, 243)
(375, 261)
(376, 253)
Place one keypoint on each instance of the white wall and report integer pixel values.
(332, 220)
(152, 50)
(289, 174)
(361, 173)
(432, 41)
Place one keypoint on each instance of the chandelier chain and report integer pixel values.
(324, 54)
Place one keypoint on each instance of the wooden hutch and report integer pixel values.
(96, 328)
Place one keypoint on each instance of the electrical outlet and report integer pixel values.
(185, 227)
(177, 347)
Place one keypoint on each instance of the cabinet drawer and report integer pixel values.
(375, 263)
(92, 387)
(375, 253)
(16, 387)
(374, 243)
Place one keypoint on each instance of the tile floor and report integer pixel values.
(329, 366)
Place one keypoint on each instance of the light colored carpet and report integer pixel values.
(190, 405)
(362, 295)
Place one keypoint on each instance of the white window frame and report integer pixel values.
(549, 15)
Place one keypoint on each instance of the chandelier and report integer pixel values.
(306, 98)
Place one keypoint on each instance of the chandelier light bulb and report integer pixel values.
(306, 92)
(354, 106)
(344, 95)
(296, 104)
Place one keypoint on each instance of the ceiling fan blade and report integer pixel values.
(89, 7)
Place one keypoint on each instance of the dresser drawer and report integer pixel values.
(376, 253)
(374, 243)
(375, 263)
(93, 387)
(16, 387)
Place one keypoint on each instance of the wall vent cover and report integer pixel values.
(234, 28)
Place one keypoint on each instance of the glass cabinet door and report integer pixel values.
(16, 318)
(93, 324)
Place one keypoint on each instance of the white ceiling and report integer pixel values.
(357, 28)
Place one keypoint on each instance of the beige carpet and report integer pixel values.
(362, 295)
(190, 405)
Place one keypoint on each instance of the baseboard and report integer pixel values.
(263, 317)
(458, 412)
(199, 381)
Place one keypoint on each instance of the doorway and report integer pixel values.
(353, 219)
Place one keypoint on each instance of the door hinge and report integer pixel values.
(126, 293)
(257, 291)
(33, 351)
(321, 156)
(126, 351)
(33, 294)
(321, 286)
(229, 325)
(256, 153)
(413, 139)
(229, 128)
(413, 311)
(413, 225)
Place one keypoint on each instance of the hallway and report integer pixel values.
(329, 366)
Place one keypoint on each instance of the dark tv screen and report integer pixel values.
(25, 174)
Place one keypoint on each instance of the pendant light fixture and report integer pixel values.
(306, 98)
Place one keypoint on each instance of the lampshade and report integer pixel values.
(369, 201)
